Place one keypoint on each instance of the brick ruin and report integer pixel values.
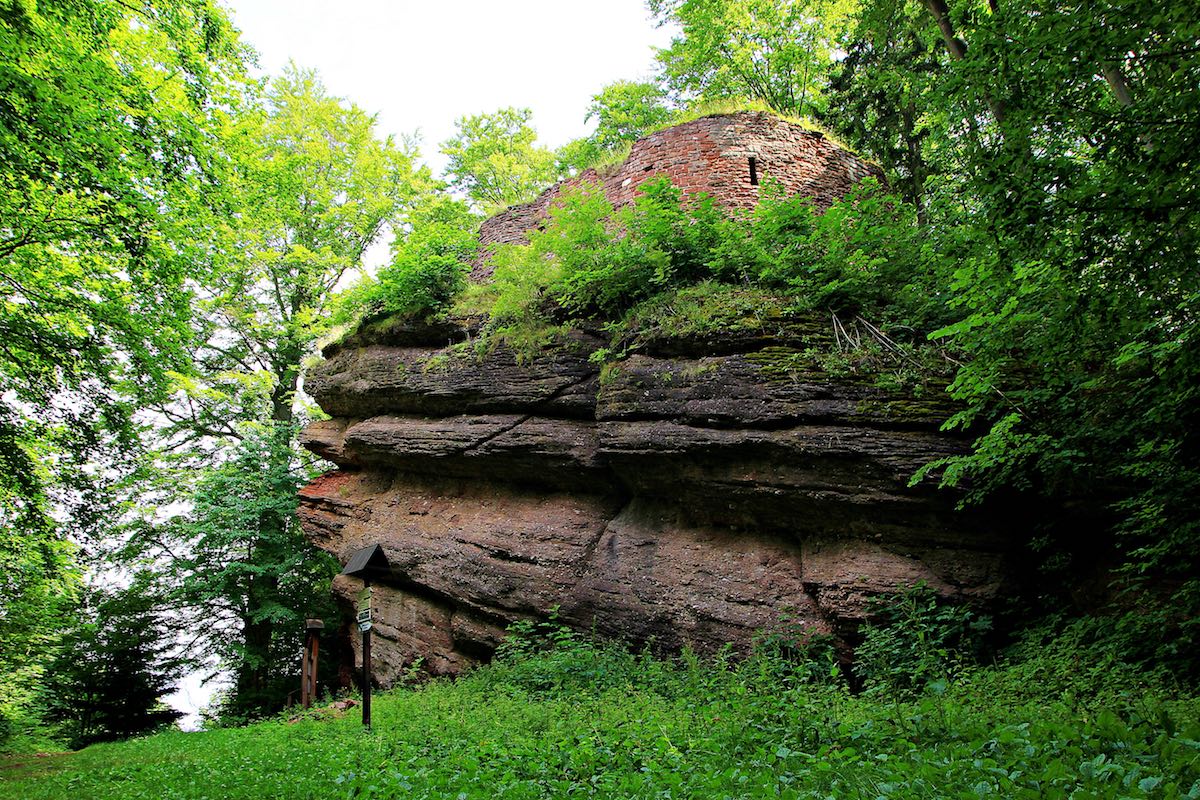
(727, 156)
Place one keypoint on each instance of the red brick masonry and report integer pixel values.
(712, 155)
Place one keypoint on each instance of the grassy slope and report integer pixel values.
(587, 723)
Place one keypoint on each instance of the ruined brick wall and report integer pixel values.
(711, 155)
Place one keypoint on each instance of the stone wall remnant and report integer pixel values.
(727, 156)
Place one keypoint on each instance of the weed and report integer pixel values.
(919, 641)
(559, 714)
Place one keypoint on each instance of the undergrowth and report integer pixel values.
(559, 714)
(677, 265)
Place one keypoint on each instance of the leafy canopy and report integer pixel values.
(774, 51)
(493, 160)
(624, 111)
(108, 120)
(431, 256)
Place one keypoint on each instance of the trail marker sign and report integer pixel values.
(368, 563)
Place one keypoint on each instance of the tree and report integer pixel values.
(627, 110)
(774, 51)
(105, 140)
(113, 667)
(246, 569)
(880, 95)
(494, 161)
(1065, 202)
(624, 112)
(106, 118)
(314, 188)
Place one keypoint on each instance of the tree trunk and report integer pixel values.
(1116, 81)
(287, 381)
(941, 15)
(958, 48)
(252, 686)
(916, 162)
(258, 637)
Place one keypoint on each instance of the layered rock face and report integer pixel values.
(694, 493)
(703, 488)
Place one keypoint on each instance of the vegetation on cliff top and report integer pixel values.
(1042, 232)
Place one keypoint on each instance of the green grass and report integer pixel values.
(594, 721)
(607, 162)
(704, 309)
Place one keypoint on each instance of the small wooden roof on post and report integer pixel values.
(369, 563)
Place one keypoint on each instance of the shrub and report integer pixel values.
(862, 255)
(865, 254)
(549, 658)
(113, 668)
(429, 264)
(605, 267)
(789, 656)
(918, 640)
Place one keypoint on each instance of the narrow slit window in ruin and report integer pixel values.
(753, 171)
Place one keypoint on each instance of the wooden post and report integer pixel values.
(366, 563)
(308, 661)
(304, 699)
(312, 672)
(366, 677)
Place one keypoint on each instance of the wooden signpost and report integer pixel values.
(364, 627)
(308, 661)
(367, 563)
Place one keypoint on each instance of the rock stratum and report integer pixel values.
(714, 482)
(700, 490)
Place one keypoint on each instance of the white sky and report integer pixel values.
(419, 65)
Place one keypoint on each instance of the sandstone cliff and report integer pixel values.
(708, 483)
(694, 492)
